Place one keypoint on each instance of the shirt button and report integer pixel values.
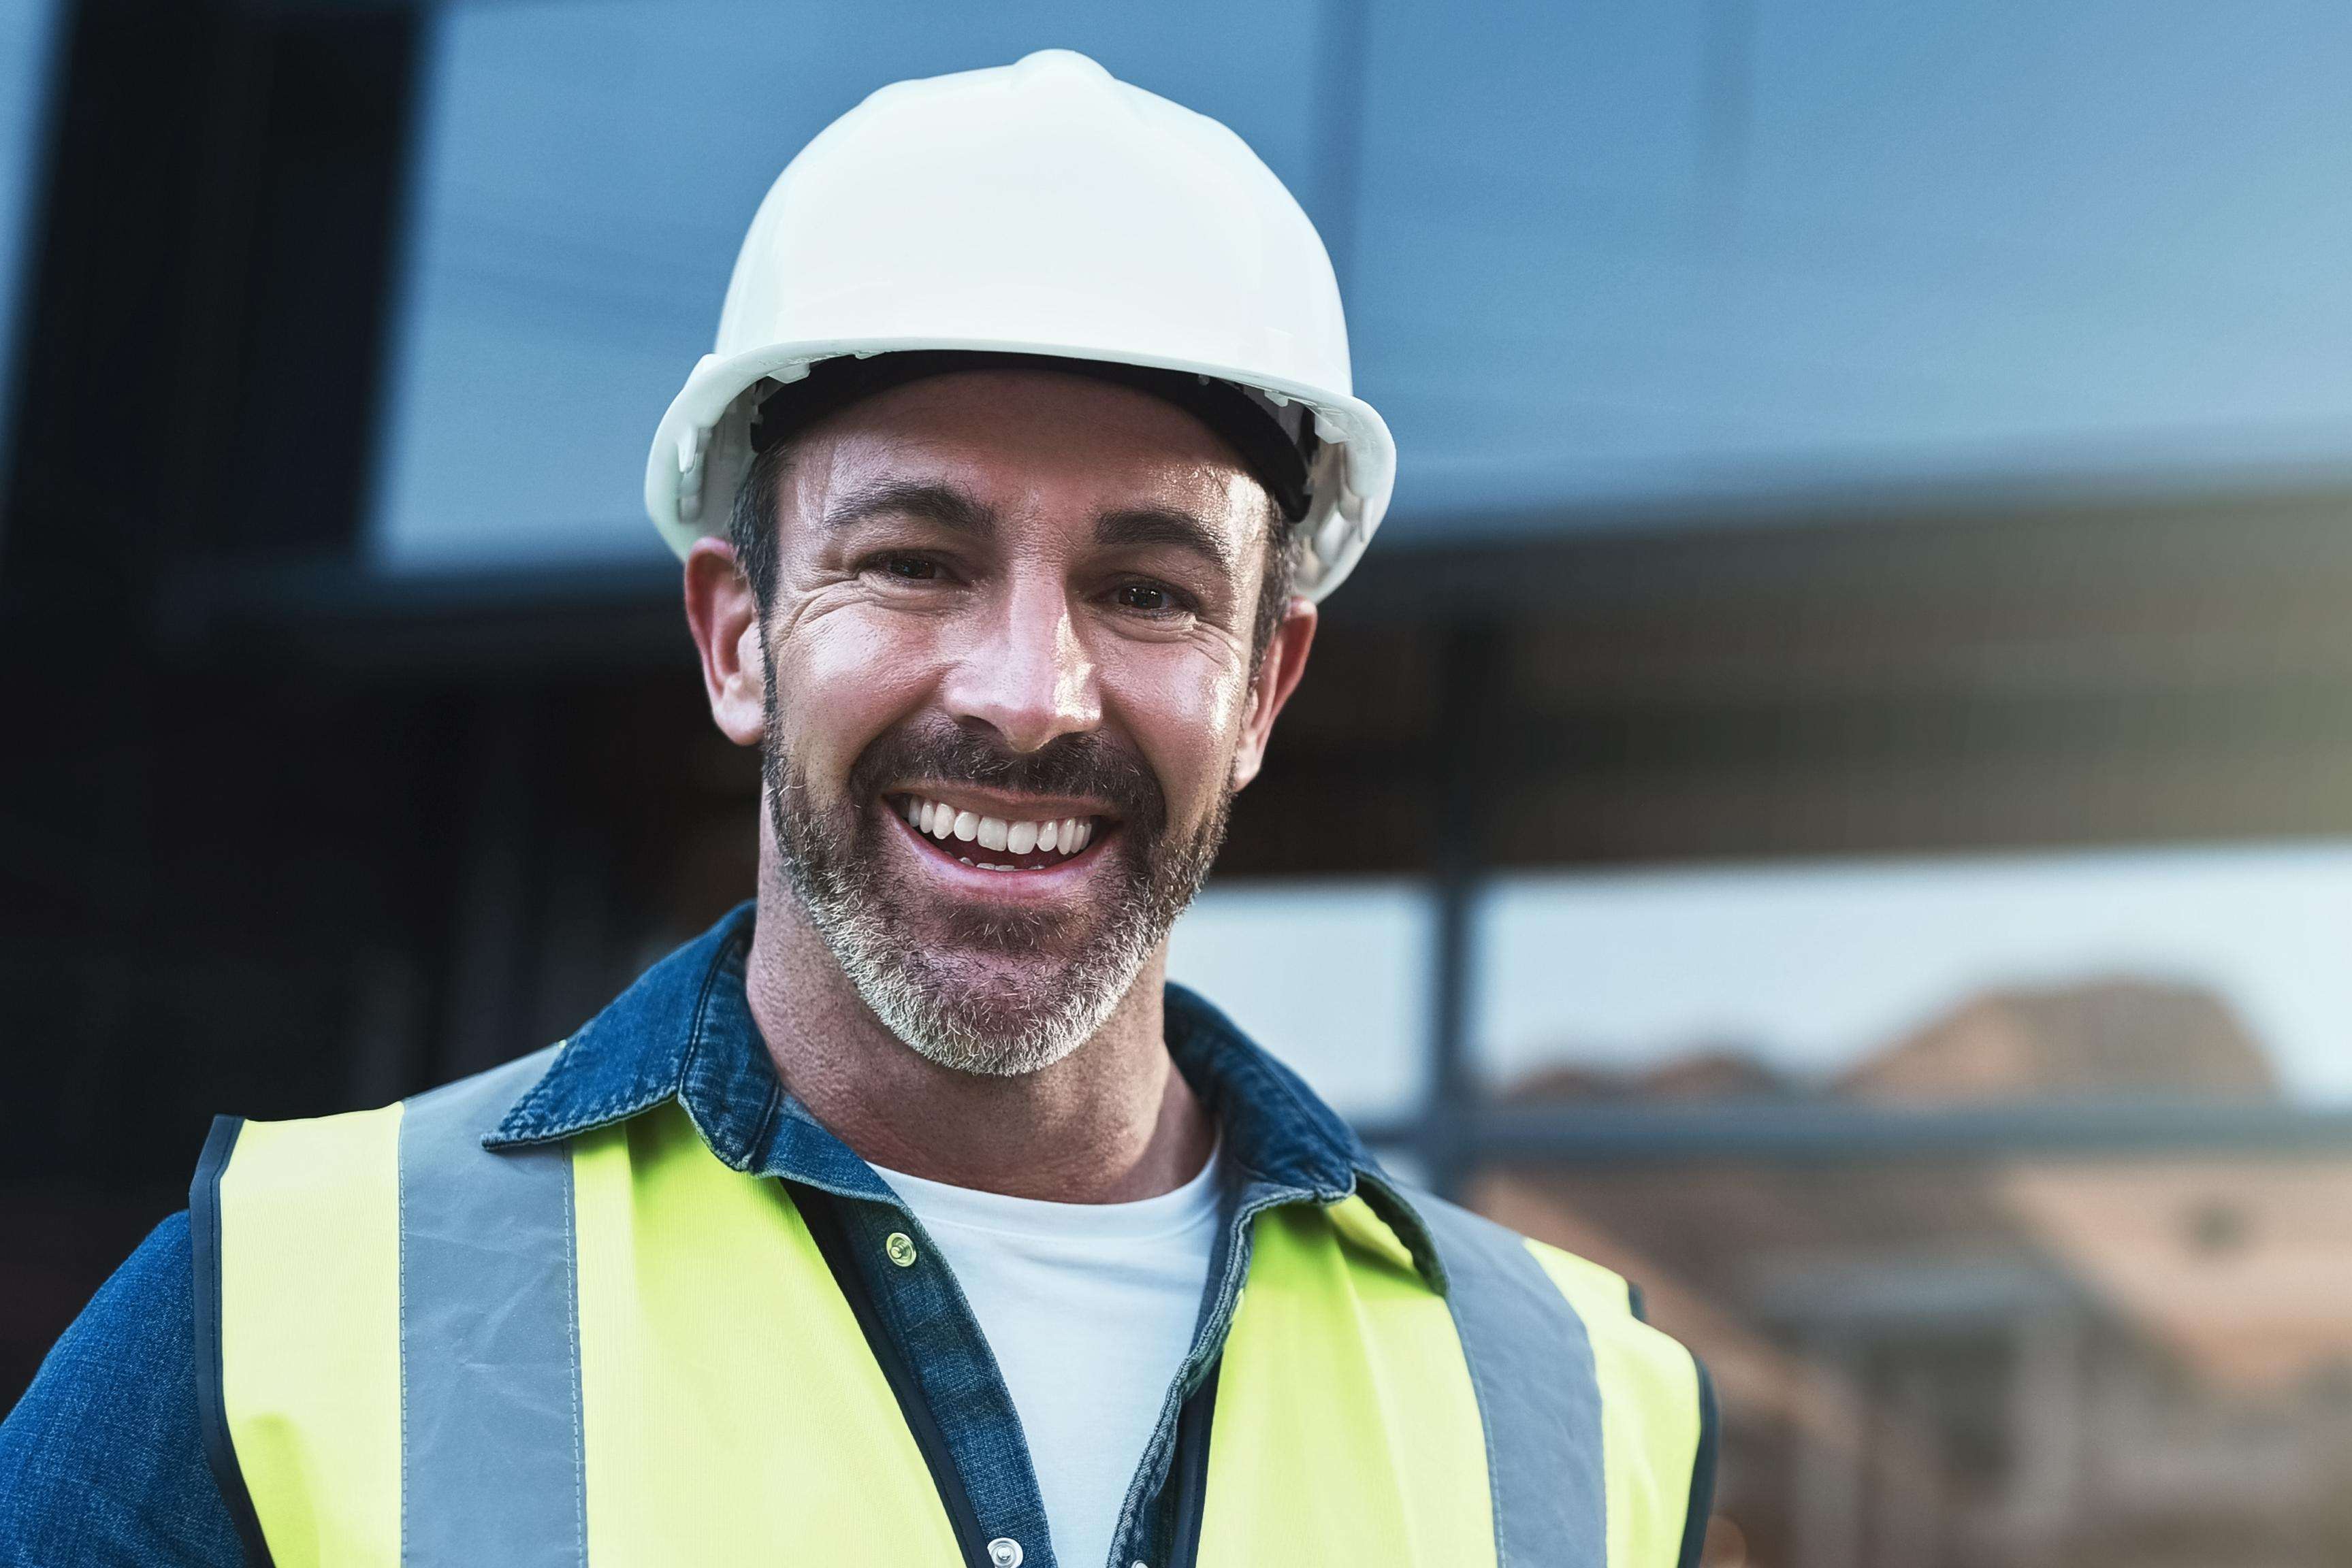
(901, 1248)
(1004, 1551)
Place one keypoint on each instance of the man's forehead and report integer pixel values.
(1019, 441)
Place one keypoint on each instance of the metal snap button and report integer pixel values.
(1004, 1551)
(901, 1248)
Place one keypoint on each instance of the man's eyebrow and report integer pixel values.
(1163, 526)
(956, 510)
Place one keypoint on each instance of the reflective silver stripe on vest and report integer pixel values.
(1531, 1367)
(491, 1466)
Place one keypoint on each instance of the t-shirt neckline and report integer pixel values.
(1169, 1213)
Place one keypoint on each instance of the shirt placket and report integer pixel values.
(927, 1316)
(932, 1326)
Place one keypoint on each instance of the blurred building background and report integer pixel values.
(1834, 795)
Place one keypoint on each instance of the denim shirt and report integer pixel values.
(684, 1032)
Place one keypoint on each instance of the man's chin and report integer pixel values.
(995, 1018)
(1013, 989)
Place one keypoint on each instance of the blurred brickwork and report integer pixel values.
(2122, 1361)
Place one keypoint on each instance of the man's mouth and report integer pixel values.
(1002, 843)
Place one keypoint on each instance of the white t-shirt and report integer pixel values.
(1089, 1308)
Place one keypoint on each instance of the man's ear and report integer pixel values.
(1278, 677)
(724, 616)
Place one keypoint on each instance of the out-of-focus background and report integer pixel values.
(1832, 794)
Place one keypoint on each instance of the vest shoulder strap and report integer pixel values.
(322, 1247)
(1601, 1430)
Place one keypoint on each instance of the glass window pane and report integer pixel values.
(2188, 970)
(1691, 251)
(1675, 254)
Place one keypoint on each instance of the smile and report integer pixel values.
(999, 843)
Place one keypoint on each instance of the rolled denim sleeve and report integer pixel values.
(102, 1462)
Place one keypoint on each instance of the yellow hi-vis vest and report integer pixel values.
(617, 1351)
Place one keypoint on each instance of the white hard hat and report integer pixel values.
(1041, 208)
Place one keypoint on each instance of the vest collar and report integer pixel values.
(684, 1031)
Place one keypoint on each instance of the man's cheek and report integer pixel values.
(827, 726)
(1195, 778)
(1186, 740)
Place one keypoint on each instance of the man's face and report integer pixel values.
(1008, 694)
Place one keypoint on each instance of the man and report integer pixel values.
(908, 1218)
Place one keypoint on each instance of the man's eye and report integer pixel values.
(1150, 598)
(910, 567)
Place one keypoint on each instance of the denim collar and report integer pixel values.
(684, 1031)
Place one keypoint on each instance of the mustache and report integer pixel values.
(1088, 765)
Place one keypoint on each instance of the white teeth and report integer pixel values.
(1067, 835)
(966, 859)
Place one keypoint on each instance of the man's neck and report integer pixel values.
(1111, 1122)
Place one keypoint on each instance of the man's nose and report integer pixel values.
(1025, 673)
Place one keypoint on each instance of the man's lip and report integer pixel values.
(1011, 807)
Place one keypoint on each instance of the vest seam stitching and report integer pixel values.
(206, 1306)
(1699, 1501)
(1479, 1386)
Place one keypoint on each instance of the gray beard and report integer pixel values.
(986, 1001)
